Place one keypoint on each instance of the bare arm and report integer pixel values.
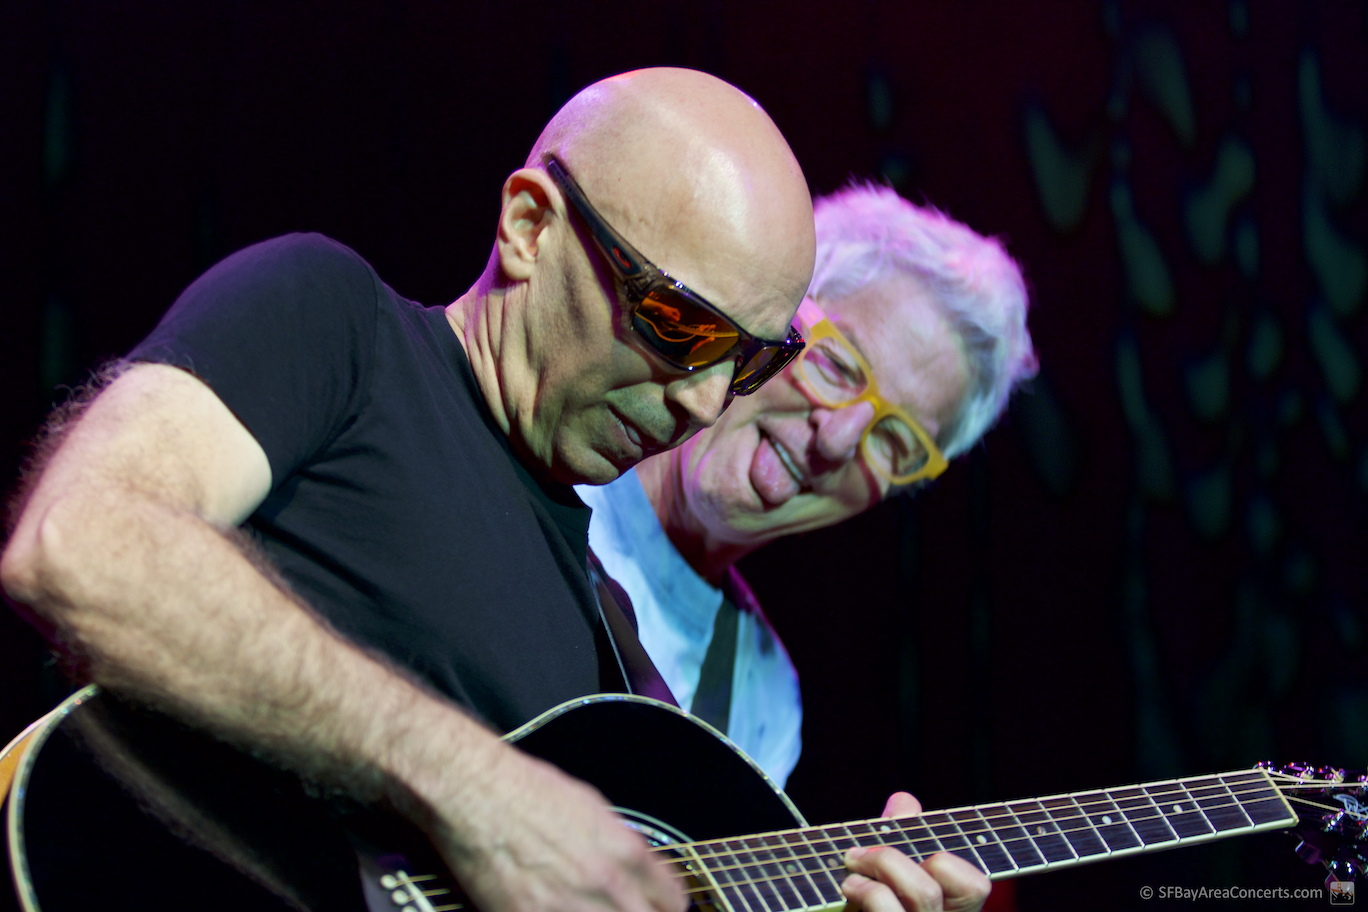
(121, 548)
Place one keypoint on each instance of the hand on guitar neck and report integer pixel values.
(885, 880)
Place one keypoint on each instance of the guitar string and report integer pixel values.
(899, 843)
(969, 831)
(794, 879)
(1100, 798)
(836, 874)
(803, 882)
(813, 876)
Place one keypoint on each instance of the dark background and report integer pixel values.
(1151, 568)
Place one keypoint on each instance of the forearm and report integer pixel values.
(157, 603)
(121, 551)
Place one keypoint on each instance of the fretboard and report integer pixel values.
(803, 869)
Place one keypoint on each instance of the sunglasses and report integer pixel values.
(678, 325)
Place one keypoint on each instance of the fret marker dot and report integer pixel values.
(791, 868)
(885, 829)
(1040, 831)
(835, 862)
(982, 840)
(1106, 819)
(1177, 809)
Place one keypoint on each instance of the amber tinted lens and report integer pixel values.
(759, 367)
(894, 449)
(683, 332)
(832, 373)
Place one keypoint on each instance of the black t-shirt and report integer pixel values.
(397, 509)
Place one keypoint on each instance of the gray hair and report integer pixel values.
(865, 232)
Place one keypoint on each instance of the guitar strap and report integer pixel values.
(712, 700)
(624, 665)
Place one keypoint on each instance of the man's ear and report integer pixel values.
(528, 209)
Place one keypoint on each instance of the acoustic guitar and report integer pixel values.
(212, 828)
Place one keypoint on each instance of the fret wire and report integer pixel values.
(740, 882)
(1219, 804)
(1267, 808)
(1091, 827)
(798, 874)
(766, 886)
(916, 843)
(870, 833)
(903, 844)
(834, 835)
(703, 889)
(1200, 810)
(957, 835)
(986, 840)
(1260, 787)
(826, 884)
(1023, 826)
(788, 892)
(1139, 840)
(1118, 836)
(1030, 840)
(1014, 839)
(898, 845)
(1239, 805)
(1138, 814)
(1187, 824)
(689, 864)
(1048, 835)
(843, 835)
(1015, 816)
(1261, 784)
(752, 898)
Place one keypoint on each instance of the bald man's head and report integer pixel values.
(694, 175)
(681, 162)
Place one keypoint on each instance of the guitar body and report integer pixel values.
(79, 840)
(254, 837)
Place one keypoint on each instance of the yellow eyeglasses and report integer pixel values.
(894, 444)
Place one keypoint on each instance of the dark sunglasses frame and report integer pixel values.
(640, 277)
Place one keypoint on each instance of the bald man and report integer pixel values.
(404, 473)
(407, 470)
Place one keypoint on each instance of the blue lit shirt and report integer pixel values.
(675, 610)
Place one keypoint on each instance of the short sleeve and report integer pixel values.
(284, 334)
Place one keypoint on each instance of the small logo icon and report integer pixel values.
(1341, 892)
(1353, 808)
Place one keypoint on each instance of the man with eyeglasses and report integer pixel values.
(326, 523)
(916, 335)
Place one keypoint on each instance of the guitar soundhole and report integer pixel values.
(662, 836)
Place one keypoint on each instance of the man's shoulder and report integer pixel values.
(304, 252)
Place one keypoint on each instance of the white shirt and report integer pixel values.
(675, 610)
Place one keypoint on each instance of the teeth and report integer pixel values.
(786, 460)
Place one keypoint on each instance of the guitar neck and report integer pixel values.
(803, 868)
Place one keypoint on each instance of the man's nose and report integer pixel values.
(839, 430)
(702, 395)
